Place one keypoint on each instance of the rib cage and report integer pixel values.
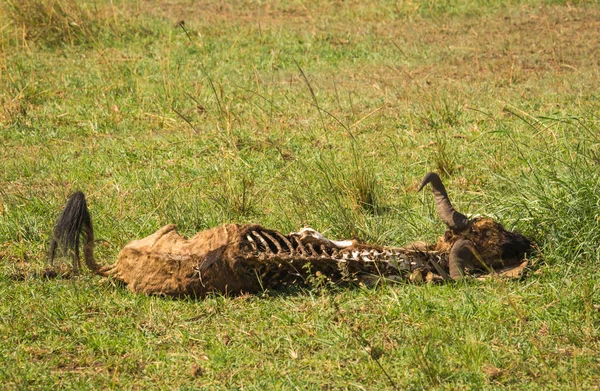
(275, 243)
(288, 259)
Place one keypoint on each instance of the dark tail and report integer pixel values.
(73, 224)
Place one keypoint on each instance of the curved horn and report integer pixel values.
(453, 219)
(463, 253)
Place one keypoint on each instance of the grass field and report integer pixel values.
(294, 113)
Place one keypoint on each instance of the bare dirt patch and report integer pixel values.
(557, 39)
(232, 13)
(505, 46)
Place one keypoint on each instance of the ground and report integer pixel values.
(289, 114)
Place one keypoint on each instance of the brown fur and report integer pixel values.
(168, 264)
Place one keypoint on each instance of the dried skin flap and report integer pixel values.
(167, 263)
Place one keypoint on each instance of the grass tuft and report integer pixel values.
(66, 22)
(54, 22)
(236, 198)
(563, 193)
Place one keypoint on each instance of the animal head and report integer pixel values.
(474, 243)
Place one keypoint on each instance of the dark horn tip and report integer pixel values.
(430, 176)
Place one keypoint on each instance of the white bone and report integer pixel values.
(311, 235)
(342, 243)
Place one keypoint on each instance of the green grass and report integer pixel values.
(288, 114)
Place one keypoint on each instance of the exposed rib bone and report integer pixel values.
(286, 241)
(252, 243)
(299, 247)
(262, 241)
(275, 242)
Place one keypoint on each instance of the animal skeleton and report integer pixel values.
(249, 258)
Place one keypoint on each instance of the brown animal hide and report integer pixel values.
(234, 259)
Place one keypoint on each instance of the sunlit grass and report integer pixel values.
(289, 114)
